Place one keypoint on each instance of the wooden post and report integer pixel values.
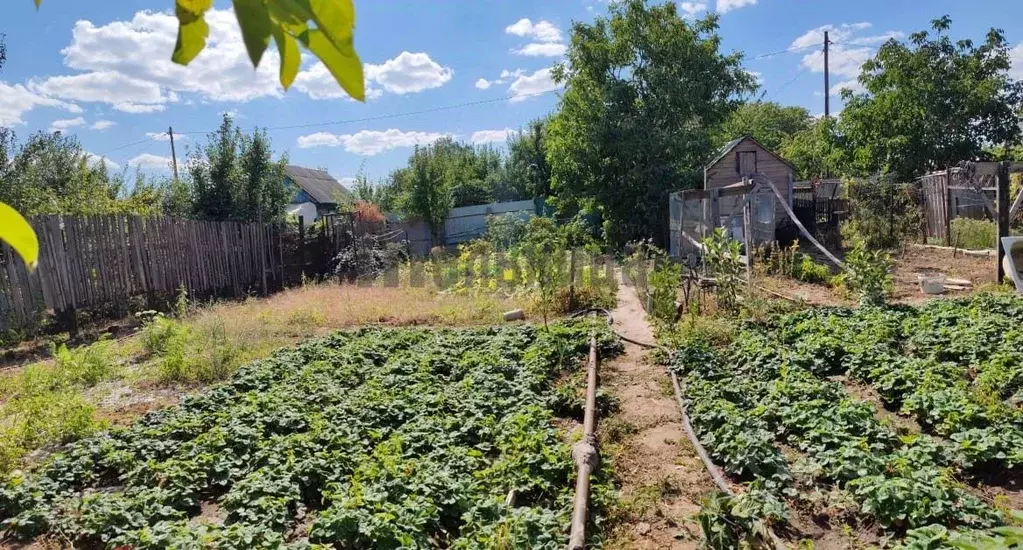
(946, 197)
(1002, 202)
(715, 208)
(747, 233)
(301, 243)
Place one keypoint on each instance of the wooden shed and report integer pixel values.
(746, 157)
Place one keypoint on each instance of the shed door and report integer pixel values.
(746, 163)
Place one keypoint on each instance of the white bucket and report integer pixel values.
(932, 284)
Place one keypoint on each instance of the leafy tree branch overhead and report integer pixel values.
(324, 27)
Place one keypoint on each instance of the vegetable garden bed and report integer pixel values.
(770, 414)
(378, 438)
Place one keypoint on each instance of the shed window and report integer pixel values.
(746, 163)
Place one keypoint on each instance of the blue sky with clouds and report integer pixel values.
(101, 70)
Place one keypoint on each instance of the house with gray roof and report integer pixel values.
(316, 193)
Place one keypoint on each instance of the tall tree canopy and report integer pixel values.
(818, 151)
(643, 89)
(768, 122)
(932, 102)
(527, 169)
(234, 177)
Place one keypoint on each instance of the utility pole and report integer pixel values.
(174, 154)
(827, 81)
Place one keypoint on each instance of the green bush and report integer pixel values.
(806, 270)
(974, 234)
(868, 272)
(722, 258)
(665, 281)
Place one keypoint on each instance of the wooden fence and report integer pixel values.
(86, 261)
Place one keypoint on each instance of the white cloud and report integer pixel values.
(491, 136)
(512, 74)
(348, 182)
(164, 136)
(16, 100)
(406, 73)
(725, 6)
(848, 55)
(102, 86)
(1016, 58)
(692, 8)
(526, 86)
(94, 159)
(102, 124)
(151, 162)
(542, 49)
(64, 124)
(544, 31)
(483, 84)
(135, 108)
(852, 84)
(369, 142)
(318, 83)
(409, 72)
(138, 52)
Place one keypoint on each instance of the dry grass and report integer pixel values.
(91, 386)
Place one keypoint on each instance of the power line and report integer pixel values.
(779, 52)
(388, 116)
(799, 74)
(149, 138)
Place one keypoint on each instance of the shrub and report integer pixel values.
(543, 248)
(722, 258)
(85, 366)
(665, 281)
(884, 212)
(868, 272)
(970, 233)
(807, 270)
(504, 231)
(158, 333)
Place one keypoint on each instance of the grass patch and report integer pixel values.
(973, 234)
(46, 404)
(43, 404)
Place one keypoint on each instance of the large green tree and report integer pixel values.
(234, 177)
(768, 122)
(527, 171)
(818, 151)
(644, 88)
(932, 102)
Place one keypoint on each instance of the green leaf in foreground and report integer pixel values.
(254, 21)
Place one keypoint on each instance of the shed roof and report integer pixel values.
(728, 147)
(319, 185)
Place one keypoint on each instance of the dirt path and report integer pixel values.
(662, 480)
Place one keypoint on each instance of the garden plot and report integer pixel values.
(378, 438)
(775, 411)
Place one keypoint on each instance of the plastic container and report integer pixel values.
(932, 284)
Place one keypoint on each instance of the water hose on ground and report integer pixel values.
(712, 469)
(585, 455)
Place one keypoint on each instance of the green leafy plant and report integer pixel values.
(371, 438)
(721, 254)
(543, 247)
(665, 281)
(868, 273)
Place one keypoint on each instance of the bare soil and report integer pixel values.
(661, 479)
(909, 263)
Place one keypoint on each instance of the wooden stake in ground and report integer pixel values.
(585, 455)
(1002, 200)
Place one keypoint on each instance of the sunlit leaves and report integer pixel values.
(290, 56)
(254, 20)
(15, 231)
(324, 27)
(346, 68)
(192, 29)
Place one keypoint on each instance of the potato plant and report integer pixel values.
(955, 366)
(378, 438)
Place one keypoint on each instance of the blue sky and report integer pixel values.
(101, 70)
